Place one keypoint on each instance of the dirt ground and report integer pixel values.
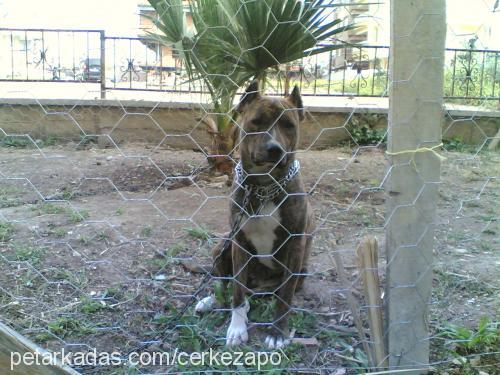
(122, 239)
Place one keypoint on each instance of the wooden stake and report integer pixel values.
(367, 260)
(353, 305)
(13, 342)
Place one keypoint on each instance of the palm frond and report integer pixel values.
(233, 41)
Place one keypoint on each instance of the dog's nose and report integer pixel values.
(274, 151)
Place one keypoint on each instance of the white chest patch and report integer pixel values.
(260, 232)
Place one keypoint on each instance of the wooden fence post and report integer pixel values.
(15, 346)
(418, 31)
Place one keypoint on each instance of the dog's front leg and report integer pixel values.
(292, 258)
(237, 331)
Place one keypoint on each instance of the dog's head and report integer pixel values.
(270, 129)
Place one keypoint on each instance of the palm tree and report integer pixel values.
(234, 41)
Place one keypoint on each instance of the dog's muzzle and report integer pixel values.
(272, 153)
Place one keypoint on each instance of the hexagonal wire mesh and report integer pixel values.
(109, 209)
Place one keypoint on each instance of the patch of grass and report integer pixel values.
(114, 293)
(84, 240)
(49, 141)
(447, 283)
(9, 197)
(262, 309)
(456, 144)
(166, 259)
(161, 262)
(472, 349)
(66, 326)
(485, 246)
(48, 209)
(61, 274)
(363, 216)
(27, 253)
(489, 231)
(146, 231)
(200, 233)
(78, 216)
(119, 211)
(15, 141)
(67, 193)
(6, 230)
(59, 232)
(223, 296)
(364, 131)
(90, 306)
(473, 203)
(102, 236)
(176, 249)
(303, 322)
(43, 337)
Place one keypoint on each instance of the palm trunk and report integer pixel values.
(224, 134)
(223, 144)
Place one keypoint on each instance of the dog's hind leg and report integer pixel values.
(279, 335)
(222, 267)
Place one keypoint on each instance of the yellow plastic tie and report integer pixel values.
(418, 150)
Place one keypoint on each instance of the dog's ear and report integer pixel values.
(296, 100)
(251, 93)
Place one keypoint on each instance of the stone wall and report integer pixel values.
(321, 129)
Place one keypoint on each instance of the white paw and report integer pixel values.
(237, 331)
(206, 304)
(273, 342)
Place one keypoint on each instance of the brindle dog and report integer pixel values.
(268, 251)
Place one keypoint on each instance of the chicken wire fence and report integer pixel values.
(108, 220)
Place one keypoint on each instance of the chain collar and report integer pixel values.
(266, 192)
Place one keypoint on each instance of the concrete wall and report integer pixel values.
(321, 129)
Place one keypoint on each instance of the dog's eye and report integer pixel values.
(257, 121)
(287, 124)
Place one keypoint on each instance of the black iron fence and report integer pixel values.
(135, 63)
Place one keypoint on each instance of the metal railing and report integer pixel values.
(139, 63)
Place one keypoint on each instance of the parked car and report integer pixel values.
(91, 69)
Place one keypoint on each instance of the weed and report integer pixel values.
(102, 236)
(84, 240)
(59, 232)
(15, 141)
(451, 283)
(49, 141)
(166, 259)
(262, 310)
(61, 274)
(6, 230)
(66, 326)
(78, 216)
(27, 253)
(48, 209)
(485, 246)
(200, 233)
(8, 197)
(223, 295)
(67, 193)
(303, 322)
(363, 129)
(489, 231)
(119, 211)
(114, 293)
(44, 337)
(161, 262)
(456, 144)
(146, 231)
(176, 249)
(472, 348)
(90, 306)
